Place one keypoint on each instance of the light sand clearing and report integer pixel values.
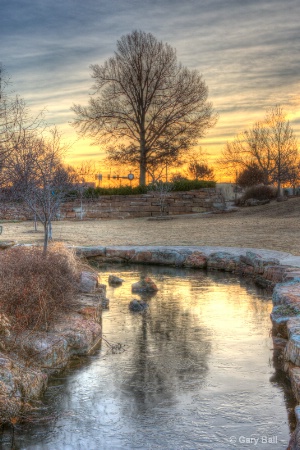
(275, 226)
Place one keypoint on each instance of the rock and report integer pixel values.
(4, 325)
(223, 261)
(47, 350)
(292, 274)
(81, 334)
(88, 282)
(274, 274)
(119, 255)
(255, 259)
(18, 384)
(255, 202)
(160, 218)
(292, 350)
(6, 244)
(287, 293)
(144, 285)
(113, 280)
(197, 260)
(160, 257)
(105, 303)
(280, 315)
(101, 289)
(89, 252)
(282, 198)
(138, 305)
(295, 439)
(142, 256)
(279, 344)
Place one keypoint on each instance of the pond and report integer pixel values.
(195, 371)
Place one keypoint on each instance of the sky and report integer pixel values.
(248, 52)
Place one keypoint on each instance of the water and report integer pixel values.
(195, 372)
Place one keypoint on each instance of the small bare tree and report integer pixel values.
(198, 167)
(38, 177)
(162, 190)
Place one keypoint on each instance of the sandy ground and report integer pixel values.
(275, 227)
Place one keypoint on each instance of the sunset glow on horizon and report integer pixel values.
(248, 54)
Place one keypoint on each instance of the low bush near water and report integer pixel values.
(35, 289)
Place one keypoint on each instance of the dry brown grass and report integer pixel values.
(274, 226)
(35, 289)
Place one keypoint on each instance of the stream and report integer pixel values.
(195, 371)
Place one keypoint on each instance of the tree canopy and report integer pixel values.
(146, 108)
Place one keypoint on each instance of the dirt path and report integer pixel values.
(275, 226)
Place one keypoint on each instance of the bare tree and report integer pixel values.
(15, 119)
(37, 176)
(198, 167)
(294, 176)
(85, 171)
(282, 145)
(145, 103)
(162, 190)
(247, 149)
(270, 145)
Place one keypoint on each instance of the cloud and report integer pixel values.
(248, 52)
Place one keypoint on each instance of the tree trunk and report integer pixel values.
(35, 222)
(50, 230)
(143, 161)
(46, 229)
(278, 188)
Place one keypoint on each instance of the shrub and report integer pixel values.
(189, 185)
(250, 176)
(260, 192)
(122, 190)
(179, 185)
(35, 288)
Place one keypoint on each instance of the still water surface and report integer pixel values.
(195, 372)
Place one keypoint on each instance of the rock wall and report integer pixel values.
(125, 206)
(14, 211)
(146, 205)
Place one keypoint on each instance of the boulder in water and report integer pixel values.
(144, 285)
(113, 280)
(137, 305)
